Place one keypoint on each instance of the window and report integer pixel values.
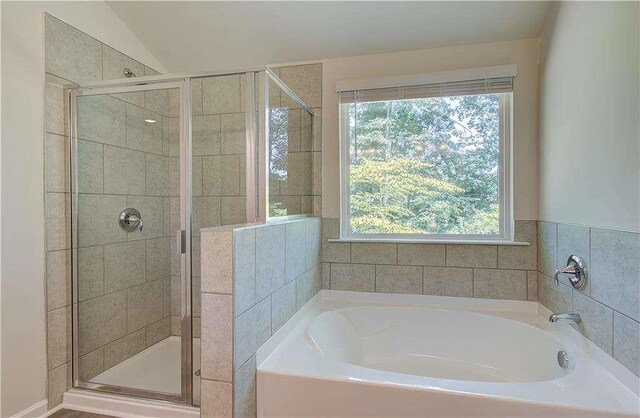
(427, 161)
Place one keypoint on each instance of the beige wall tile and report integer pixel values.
(364, 253)
(547, 248)
(615, 270)
(90, 272)
(233, 133)
(157, 258)
(98, 219)
(518, 257)
(55, 108)
(102, 320)
(216, 399)
(295, 249)
(399, 279)
(421, 254)
(217, 337)
(57, 213)
(245, 399)
(145, 304)
(532, 286)
(358, 277)
(307, 285)
(270, 259)
(142, 135)
(626, 342)
(313, 250)
(57, 384)
(217, 261)
(101, 119)
(124, 171)
(251, 330)
(156, 101)
(58, 337)
(500, 284)
(91, 364)
(305, 81)
(448, 281)
(283, 307)
(233, 210)
(123, 348)
(244, 275)
(206, 213)
(196, 98)
(326, 276)
(90, 166)
(114, 63)
(206, 135)
(221, 94)
(119, 272)
(71, 54)
(597, 321)
(57, 170)
(463, 255)
(157, 175)
(58, 279)
(151, 210)
(299, 174)
(158, 331)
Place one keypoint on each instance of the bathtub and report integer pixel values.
(360, 354)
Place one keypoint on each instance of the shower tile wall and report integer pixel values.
(72, 56)
(610, 301)
(306, 83)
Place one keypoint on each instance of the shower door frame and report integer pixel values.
(183, 236)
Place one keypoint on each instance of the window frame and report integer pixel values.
(506, 229)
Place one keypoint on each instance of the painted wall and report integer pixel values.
(589, 116)
(23, 261)
(524, 53)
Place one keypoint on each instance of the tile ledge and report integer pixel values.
(431, 241)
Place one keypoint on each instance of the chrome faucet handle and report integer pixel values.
(130, 220)
(576, 269)
(573, 316)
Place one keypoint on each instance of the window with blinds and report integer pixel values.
(426, 161)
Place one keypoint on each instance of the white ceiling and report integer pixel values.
(206, 35)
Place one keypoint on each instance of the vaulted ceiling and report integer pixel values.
(196, 35)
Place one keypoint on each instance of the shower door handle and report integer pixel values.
(181, 241)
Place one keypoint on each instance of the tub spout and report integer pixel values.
(574, 316)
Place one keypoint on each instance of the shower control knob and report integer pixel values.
(130, 220)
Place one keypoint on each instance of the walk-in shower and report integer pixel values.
(152, 161)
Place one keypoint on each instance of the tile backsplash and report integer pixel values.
(610, 301)
(485, 271)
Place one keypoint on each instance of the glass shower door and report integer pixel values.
(131, 235)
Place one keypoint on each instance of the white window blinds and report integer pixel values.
(456, 83)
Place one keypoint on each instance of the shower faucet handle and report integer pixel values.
(130, 220)
(576, 269)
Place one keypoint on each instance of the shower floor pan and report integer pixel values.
(156, 369)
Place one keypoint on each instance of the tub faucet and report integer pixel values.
(573, 316)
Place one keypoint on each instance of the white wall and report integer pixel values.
(23, 352)
(524, 53)
(590, 116)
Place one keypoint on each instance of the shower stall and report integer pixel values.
(152, 161)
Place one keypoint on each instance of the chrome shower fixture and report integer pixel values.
(128, 73)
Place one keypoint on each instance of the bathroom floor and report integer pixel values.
(72, 413)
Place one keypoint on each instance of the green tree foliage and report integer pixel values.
(425, 165)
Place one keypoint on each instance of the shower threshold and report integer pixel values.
(156, 369)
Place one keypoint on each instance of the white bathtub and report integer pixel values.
(359, 354)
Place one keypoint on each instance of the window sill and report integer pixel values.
(430, 241)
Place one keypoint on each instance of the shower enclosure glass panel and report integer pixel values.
(290, 151)
(130, 199)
